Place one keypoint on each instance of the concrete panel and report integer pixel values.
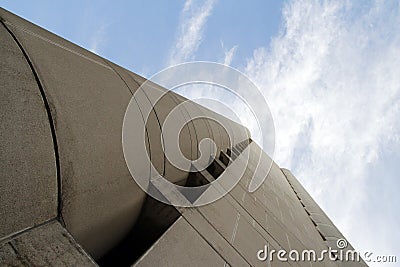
(246, 246)
(277, 230)
(245, 215)
(163, 104)
(200, 110)
(181, 245)
(154, 134)
(100, 200)
(201, 125)
(226, 142)
(125, 75)
(272, 205)
(277, 213)
(135, 126)
(28, 176)
(189, 127)
(277, 263)
(246, 200)
(186, 141)
(214, 238)
(320, 218)
(241, 133)
(329, 231)
(222, 216)
(146, 99)
(214, 129)
(280, 181)
(46, 245)
(139, 79)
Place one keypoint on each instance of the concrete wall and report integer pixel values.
(28, 176)
(61, 120)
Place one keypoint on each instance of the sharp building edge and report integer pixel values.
(67, 197)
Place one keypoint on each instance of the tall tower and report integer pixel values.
(67, 196)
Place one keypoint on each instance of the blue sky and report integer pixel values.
(139, 35)
(330, 71)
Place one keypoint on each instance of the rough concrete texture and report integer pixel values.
(28, 176)
(46, 245)
(181, 239)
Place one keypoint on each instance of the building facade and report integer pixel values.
(67, 196)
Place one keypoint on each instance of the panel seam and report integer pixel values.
(51, 123)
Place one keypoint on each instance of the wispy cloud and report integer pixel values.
(193, 18)
(229, 54)
(333, 84)
(98, 39)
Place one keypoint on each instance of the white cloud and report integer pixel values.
(98, 39)
(229, 54)
(332, 79)
(191, 27)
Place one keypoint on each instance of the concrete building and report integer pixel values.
(68, 198)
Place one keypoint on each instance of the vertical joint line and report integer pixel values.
(51, 122)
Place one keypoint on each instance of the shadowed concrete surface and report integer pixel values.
(28, 167)
(46, 245)
(67, 196)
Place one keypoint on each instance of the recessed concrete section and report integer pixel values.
(188, 131)
(166, 107)
(213, 128)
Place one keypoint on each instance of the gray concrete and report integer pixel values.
(181, 239)
(100, 200)
(46, 245)
(214, 237)
(87, 98)
(28, 176)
